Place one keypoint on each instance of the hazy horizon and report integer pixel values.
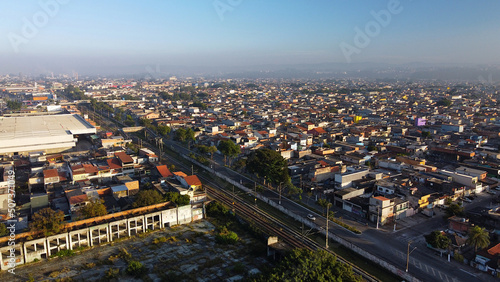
(96, 37)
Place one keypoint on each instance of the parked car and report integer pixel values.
(467, 200)
(311, 217)
(491, 192)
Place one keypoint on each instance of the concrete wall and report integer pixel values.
(43, 248)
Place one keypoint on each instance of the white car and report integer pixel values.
(311, 217)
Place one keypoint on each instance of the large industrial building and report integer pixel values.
(49, 134)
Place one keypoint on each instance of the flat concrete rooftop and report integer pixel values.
(36, 126)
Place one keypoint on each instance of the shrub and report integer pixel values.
(112, 273)
(124, 254)
(63, 253)
(458, 257)
(226, 236)
(157, 241)
(239, 268)
(136, 268)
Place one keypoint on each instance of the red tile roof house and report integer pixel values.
(488, 260)
(76, 199)
(164, 171)
(193, 182)
(50, 176)
(126, 162)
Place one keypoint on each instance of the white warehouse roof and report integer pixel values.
(37, 133)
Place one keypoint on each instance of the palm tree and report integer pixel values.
(479, 238)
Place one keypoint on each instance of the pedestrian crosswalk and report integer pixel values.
(436, 274)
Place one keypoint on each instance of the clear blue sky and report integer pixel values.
(252, 32)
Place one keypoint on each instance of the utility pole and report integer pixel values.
(233, 198)
(280, 194)
(326, 230)
(255, 192)
(408, 254)
(192, 173)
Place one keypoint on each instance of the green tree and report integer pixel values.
(444, 103)
(454, 209)
(437, 240)
(216, 209)
(229, 149)
(163, 130)
(226, 236)
(269, 164)
(478, 237)
(426, 134)
(147, 198)
(200, 105)
(14, 105)
(306, 265)
(180, 200)
(3, 230)
(136, 269)
(130, 121)
(211, 151)
(74, 93)
(48, 221)
(184, 134)
(145, 122)
(94, 209)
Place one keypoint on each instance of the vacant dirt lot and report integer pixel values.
(182, 253)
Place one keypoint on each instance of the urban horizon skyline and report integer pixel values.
(64, 36)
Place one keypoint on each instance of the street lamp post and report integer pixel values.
(280, 193)
(408, 254)
(326, 230)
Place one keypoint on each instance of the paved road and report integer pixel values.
(386, 244)
(390, 246)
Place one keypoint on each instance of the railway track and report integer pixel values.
(274, 227)
(269, 224)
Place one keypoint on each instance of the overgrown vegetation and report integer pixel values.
(227, 237)
(63, 253)
(437, 240)
(306, 265)
(147, 198)
(3, 230)
(94, 209)
(48, 221)
(135, 269)
(454, 209)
